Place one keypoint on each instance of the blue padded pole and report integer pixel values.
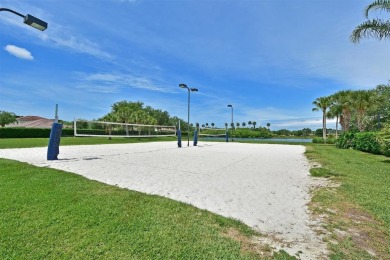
(179, 138)
(54, 142)
(195, 137)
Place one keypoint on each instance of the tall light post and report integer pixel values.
(29, 19)
(232, 124)
(182, 85)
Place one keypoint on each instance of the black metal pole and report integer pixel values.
(188, 144)
(232, 124)
(12, 11)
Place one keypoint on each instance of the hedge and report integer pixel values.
(370, 142)
(322, 141)
(20, 132)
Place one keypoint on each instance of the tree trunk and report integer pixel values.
(360, 120)
(127, 129)
(346, 119)
(324, 125)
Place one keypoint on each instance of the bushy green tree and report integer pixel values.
(7, 118)
(135, 113)
(282, 132)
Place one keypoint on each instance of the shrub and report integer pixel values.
(321, 140)
(384, 146)
(318, 140)
(371, 142)
(250, 133)
(21, 132)
(384, 140)
(367, 142)
(346, 140)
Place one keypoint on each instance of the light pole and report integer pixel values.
(232, 124)
(29, 19)
(182, 85)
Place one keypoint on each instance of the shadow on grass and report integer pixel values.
(386, 161)
(322, 172)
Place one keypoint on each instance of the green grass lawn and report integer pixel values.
(358, 211)
(41, 142)
(46, 213)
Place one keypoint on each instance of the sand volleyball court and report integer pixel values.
(265, 186)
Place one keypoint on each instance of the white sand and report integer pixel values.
(265, 186)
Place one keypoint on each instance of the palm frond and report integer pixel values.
(378, 4)
(373, 28)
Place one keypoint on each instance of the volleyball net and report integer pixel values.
(113, 129)
(212, 133)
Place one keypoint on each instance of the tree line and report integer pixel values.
(136, 113)
(356, 110)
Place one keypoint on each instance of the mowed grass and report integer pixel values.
(41, 142)
(357, 211)
(47, 213)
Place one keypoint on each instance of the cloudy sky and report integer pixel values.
(269, 59)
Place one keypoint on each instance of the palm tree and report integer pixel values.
(203, 126)
(212, 125)
(226, 125)
(243, 124)
(322, 103)
(382, 103)
(238, 125)
(376, 28)
(110, 117)
(362, 101)
(207, 125)
(254, 124)
(141, 117)
(249, 123)
(345, 99)
(123, 115)
(335, 110)
(268, 125)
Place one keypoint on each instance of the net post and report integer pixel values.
(196, 135)
(53, 149)
(179, 138)
(74, 127)
(227, 133)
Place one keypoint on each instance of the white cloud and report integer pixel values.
(78, 44)
(18, 52)
(103, 77)
(117, 80)
(99, 89)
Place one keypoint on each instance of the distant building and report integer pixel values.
(32, 122)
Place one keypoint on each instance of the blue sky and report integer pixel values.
(269, 59)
